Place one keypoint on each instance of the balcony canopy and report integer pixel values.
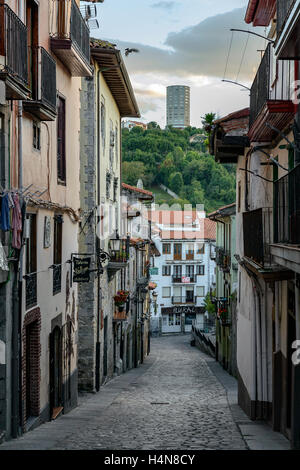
(229, 136)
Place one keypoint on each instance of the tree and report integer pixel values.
(133, 171)
(207, 122)
(209, 306)
(153, 125)
(176, 182)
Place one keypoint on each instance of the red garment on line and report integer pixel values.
(16, 223)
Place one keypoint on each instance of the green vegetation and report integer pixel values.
(169, 157)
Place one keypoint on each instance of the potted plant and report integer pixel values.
(222, 314)
(120, 299)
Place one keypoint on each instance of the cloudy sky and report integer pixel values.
(183, 42)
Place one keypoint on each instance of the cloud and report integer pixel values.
(164, 5)
(201, 50)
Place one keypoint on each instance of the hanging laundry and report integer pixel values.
(16, 223)
(10, 201)
(4, 215)
(3, 259)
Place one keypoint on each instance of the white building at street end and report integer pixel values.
(185, 270)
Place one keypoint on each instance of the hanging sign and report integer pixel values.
(81, 269)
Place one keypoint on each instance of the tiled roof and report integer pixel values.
(236, 115)
(207, 231)
(217, 212)
(101, 43)
(136, 190)
(173, 217)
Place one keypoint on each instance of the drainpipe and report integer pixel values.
(16, 373)
(98, 323)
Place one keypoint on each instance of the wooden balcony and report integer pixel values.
(288, 29)
(43, 86)
(70, 37)
(229, 137)
(13, 54)
(267, 105)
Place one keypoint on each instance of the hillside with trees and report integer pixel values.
(177, 159)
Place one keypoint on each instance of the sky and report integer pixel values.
(183, 42)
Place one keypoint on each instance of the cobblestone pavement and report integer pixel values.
(173, 401)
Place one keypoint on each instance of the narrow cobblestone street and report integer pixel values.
(173, 401)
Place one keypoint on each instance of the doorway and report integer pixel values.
(56, 402)
(32, 367)
(105, 349)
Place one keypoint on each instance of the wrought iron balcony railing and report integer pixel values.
(283, 9)
(184, 300)
(223, 259)
(56, 279)
(186, 279)
(287, 208)
(120, 255)
(30, 290)
(260, 90)
(68, 29)
(13, 48)
(43, 85)
(258, 234)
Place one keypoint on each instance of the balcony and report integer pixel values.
(30, 290)
(70, 37)
(223, 259)
(43, 86)
(13, 54)
(184, 279)
(258, 234)
(179, 300)
(287, 208)
(119, 255)
(288, 28)
(56, 279)
(268, 104)
(223, 311)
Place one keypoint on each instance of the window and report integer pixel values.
(189, 271)
(61, 141)
(166, 270)
(177, 251)
(103, 121)
(178, 271)
(200, 291)
(190, 251)
(166, 248)
(200, 248)
(239, 196)
(166, 292)
(200, 270)
(116, 144)
(36, 136)
(57, 253)
(111, 145)
(31, 262)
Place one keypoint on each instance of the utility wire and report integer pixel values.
(243, 56)
(229, 51)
